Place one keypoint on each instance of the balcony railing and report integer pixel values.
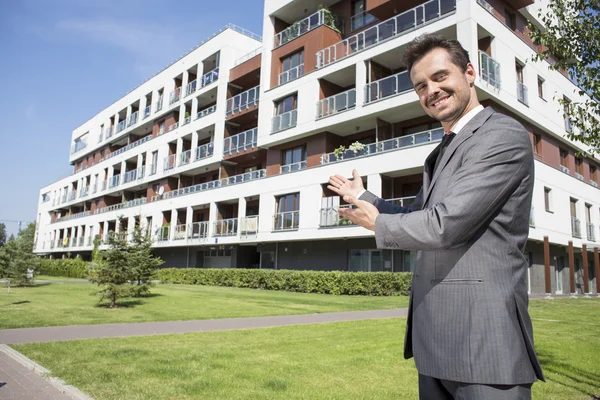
(336, 103)
(206, 150)
(78, 147)
(153, 168)
(329, 217)
(225, 227)
(129, 146)
(291, 74)
(84, 191)
(486, 6)
(81, 241)
(169, 162)
(72, 195)
(130, 176)
(159, 103)
(172, 127)
(120, 206)
(240, 102)
(249, 225)
(591, 233)
(121, 126)
(241, 141)
(248, 56)
(104, 184)
(232, 180)
(73, 216)
(299, 28)
(284, 121)
(286, 221)
(522, 93)
(162, 233)
(575, 227)
(197, 230)
(190, 88)
(185, 157)
(179, 232)
(489, 69)
(416, 139)
(206, 111)
(362, 19)
(108, 132)
(147, 111)
(133, 118)
(175, 96)
(187, 120)
(396, 26)
(388, 87)
(297, 166)
(114, 181)
(210, 77)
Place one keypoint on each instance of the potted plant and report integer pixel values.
(339, 152)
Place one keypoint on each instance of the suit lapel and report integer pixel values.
(465, 133)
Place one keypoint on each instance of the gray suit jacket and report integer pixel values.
(468, 318)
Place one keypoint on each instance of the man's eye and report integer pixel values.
(441, 77)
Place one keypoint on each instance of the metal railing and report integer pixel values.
(297, 166)
(162, 233)
(489, 69)
(240, 102)
(401, 142)
(329, 217)
(575, 227)
(169, 162)
(147, 111)
(120, 206)
(153, 168)
(130, 176)
(206, 111)
(159, 103)
(248, 56)
(172, 127)
(122, 125)
(108, 132)
(241, 141)
(286, 220)
(206, 150)
(388, 87)
(197, 230)
(78, 147)
(291, 74)
(190, 88)
(179, 233)
(104, 184)
(187, 120)
(175, 96)
(185, 157)
(361, 19)
(129, 147)
(522, 93)
(336, 103)
(591, 233)
(225, 227)
(402, 201)
(299, 28)
(249, 225)
(73, 216)
(133, 118)
(396, 26)
(114, 181)
(81, 241)
(84, 191)
(72, 195)
(284, 121)
(210, 77)
(486, 6)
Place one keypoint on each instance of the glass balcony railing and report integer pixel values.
(84, 191)
(568, 125)
(172, 127)
(225, 227)
(388, 87)
(175, 96)
(197, 230)
(396, 26)
(242, 101)
(489, 69)
(299, 28)
(291, 74)
(179, 233)
(206, 111)
(130, 176)
(575, 227)
(169, 162)
(531, 217)
(72, 195)
(336, 103)
(129, 147)
(248, 56)
(210, 77)
(121, 126)
(286, 220)
(162, 233)
(362, 19)
(147, 111)
(190, 88)
(297, 166)
(416, 139)
(522, 93)
(159, 104)
(152, 169)
(78, 146)
(249, 225)
(120, 206)
(73, 216)
(185, 157)
(204, 151)
(114, 181)
(133, 118)
(187, 120)
(591, 232)
(242, 141)
(284, 121)
(108, 132)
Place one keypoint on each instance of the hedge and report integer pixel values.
(325, 282)
(66, 267)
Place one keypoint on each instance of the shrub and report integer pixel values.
(67, 267)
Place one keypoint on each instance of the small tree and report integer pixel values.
(142, 262)
(17, 261)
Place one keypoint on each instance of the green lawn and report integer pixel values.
(346, 360)
(56, 304)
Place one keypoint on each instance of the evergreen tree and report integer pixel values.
(17, 261)
(2, 234)
(142, 262)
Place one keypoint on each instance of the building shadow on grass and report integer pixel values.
(572, 376)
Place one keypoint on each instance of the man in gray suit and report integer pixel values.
(468, 326)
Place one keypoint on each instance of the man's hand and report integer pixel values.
(364, 214)
(344, 187)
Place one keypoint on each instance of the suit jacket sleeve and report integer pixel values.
(491, 170)
(386, 207)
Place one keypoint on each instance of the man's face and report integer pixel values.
(443, 89)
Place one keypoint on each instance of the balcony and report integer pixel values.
(398, 143)
(187, 120)
(114, 181)
(190, 88)
(575, 227)
(489, 69)
(336, 103)
(522, 93)
(248, 56)
(242, 141)
(591, 233)
(72, 195)
(206, 111)
(120, 206)
(147, 111)
(299, 28)
(108, 132)
(133, 118)
(362, 19)
(232, 180)
(130, 176)
(172, 127)
(291, 74)
(185, 157)
(73, 216)
(286, 221)
(175, 96)
(243, 101)
(249, 225)
(197, 230)
(204, 151)
(329, 217)
(394, 27)
(210, 77)
(78, 146)
(129, 147)
(387, 87)
(179, 232)
(121, 126)
(169, 162)
(153, 168)
(297, 166)
(84, 191)
(284, 121)
(162, 233)
(159, 103)
(225, 227)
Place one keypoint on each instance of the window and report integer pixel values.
(588, 213)
(548, 199)
(566, 115)
(519, 70)
(511, 19)
(593, 174)
(287, 215)
(286, 105)
(541, 87)
(579, 166)
(573, 207)
(359, 17)
(564, 154)
(292, 67)
(537, 143)
(293, 159)
(285, 114)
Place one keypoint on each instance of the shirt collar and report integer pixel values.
(457, 127)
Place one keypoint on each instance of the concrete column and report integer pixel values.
(584, 255)
(547, 275)
(173, 224)
(242, 207)
(105, 231)
(571, 269)
(466, 33)
(194, 144)
(179, 148)
(597, 269)
(374, 184)
(189, 219)
(194, 110)
(212, 218)
(361, 81)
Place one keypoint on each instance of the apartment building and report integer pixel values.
(224, 156)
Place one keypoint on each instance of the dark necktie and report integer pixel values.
(445, 142)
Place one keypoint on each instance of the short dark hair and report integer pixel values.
(423, 44)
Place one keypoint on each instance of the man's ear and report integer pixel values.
(471, 74)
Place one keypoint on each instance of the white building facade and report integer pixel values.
(224, 156)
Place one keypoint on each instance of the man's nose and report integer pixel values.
(433, 91)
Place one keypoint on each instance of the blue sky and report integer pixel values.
(65, 60)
